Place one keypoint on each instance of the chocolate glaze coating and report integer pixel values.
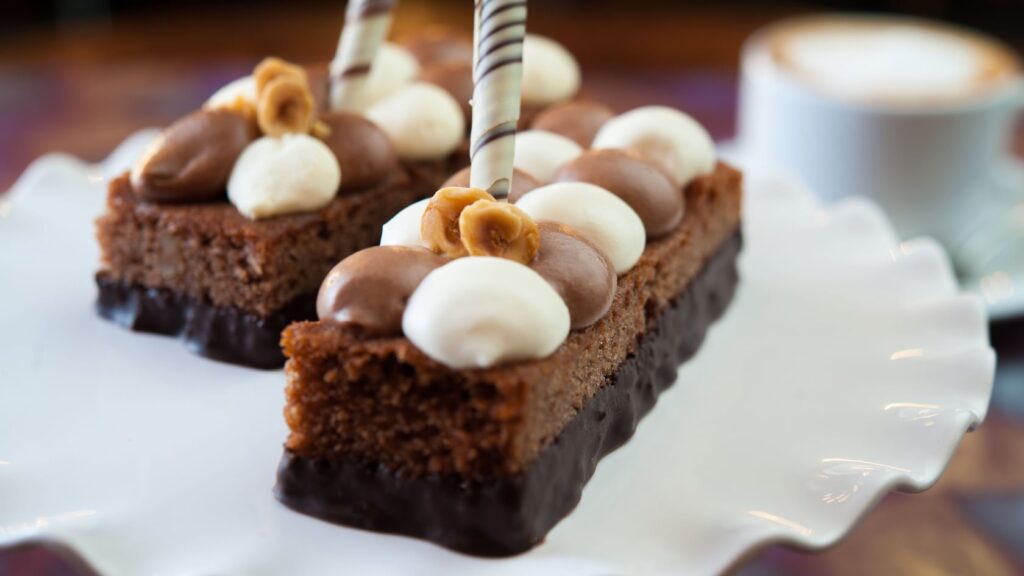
(521, 183)
(438, 44)
(365, 154)
(456, 77)
(580, 273)
(646, 189)
(370, 288)
(194, 157)
(577, 120)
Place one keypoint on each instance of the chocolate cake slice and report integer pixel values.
(226, 284)
(487, 460)
(225, 228)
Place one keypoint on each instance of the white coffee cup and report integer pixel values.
(914, 114)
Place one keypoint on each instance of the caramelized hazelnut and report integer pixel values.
(285, 105)
(272, 68)
(499, 229)
(440, 226)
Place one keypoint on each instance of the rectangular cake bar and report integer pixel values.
(227, 284)
(488, 461)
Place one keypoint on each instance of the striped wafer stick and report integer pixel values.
(366, 26)
(498, 31)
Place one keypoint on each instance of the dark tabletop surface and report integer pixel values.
(80, 96)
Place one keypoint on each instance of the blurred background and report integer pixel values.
(80, 75)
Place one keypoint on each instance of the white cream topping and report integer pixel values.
(668, 138)
(541, 153)
(292, 173)
(404, 228)
(597, 214)
(228, 95)
(423, 121)
(550, 72)
(392, 69)
(481, 311)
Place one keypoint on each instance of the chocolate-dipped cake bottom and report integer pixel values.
(508, 515)
(217, 332)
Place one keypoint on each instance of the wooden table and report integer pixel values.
(84, 91)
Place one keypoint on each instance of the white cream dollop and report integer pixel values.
(597, 214)
(480, 311)
(541, 153)
(281, 175)
(228, 95)
(392, 69)
(668, 138)
(423, 121)
(404, 228)
(550, 72)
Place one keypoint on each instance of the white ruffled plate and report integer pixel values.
(848, 365)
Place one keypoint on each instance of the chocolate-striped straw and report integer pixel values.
(498, 30)
(366, 26)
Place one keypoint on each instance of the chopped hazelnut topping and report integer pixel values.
(272, 68)
(498, 229)
(440, 227)
(285, 105)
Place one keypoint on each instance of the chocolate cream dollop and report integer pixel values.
(192, 159)
(456, 77)
(646, 189)
(521, 182)
(580, 273)
(364, 152)
(370, 288)
(438, 44)
(578, 120)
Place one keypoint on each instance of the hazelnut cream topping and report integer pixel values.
(540, 154)
(550, 72)
(282, 175)
(646, 189)
(422, 120)
(479, 312)
(578, 121)
(369, 289)
(478, 281)
(579, 271)
(670, 139)
(192, 159)
(521, 182)
(598, 215)
(286, 170)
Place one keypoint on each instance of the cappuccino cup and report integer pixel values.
(913, 114)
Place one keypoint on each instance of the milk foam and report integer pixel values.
(888, 61)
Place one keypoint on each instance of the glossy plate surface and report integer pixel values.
(848, 365)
